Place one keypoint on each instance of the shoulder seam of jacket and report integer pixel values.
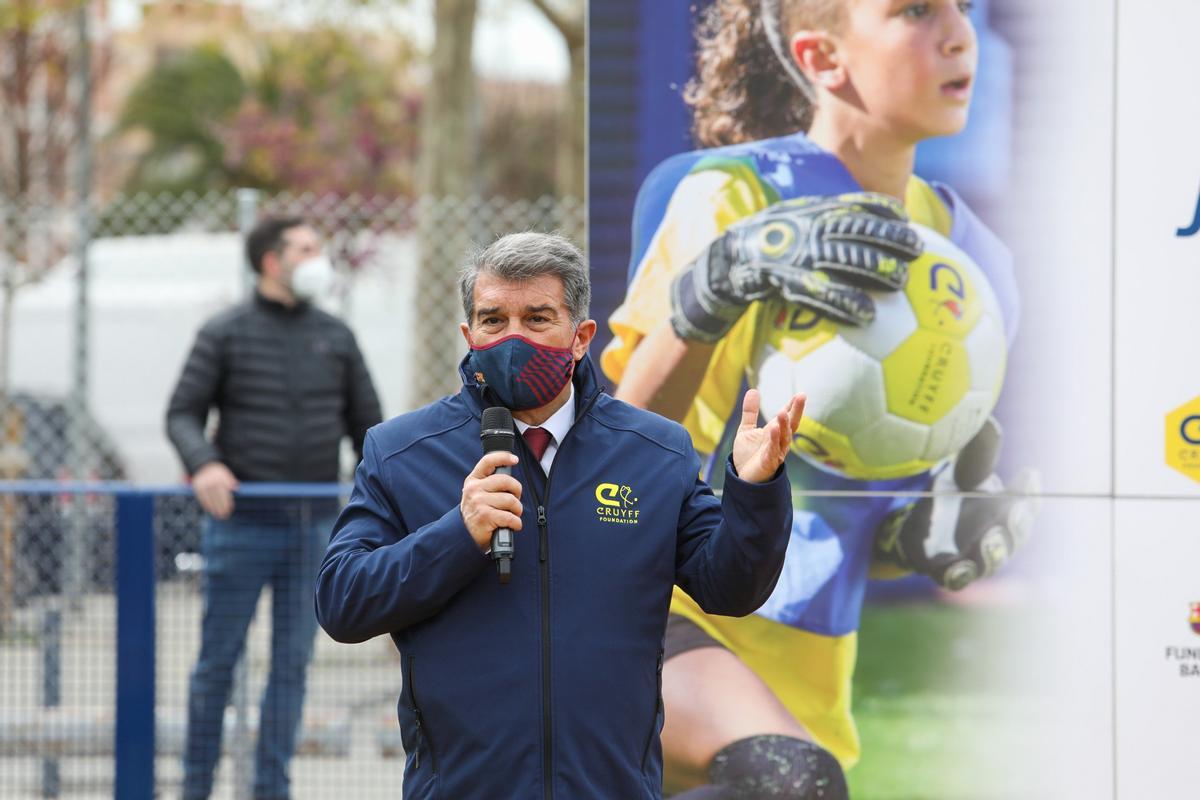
(407, 445)
(613, 426)
(235, 312)
(225, 323)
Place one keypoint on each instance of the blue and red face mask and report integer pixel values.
(521, 373)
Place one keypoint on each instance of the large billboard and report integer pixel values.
(992, 410)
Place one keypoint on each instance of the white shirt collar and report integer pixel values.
(560, 421)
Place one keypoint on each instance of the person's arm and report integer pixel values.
(730, 553)
(187, 413)
(969, 526)
(362, 403)
(651, 366)
(838, 246)
(664, 372)
(194, 395)
(379, 577)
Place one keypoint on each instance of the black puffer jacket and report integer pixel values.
(288, 384)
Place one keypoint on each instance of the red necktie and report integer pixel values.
(538, 440)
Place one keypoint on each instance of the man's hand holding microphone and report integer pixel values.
(491, 498)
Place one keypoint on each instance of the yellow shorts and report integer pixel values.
(809, 673)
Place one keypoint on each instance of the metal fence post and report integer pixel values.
(135, 647)
(51, 689)
(240, 743)
(79, 536)
(247, 215)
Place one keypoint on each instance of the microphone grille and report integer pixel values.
(497, 417)
(496, 429)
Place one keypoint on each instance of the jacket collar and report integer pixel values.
(478, 397)
(276, 307)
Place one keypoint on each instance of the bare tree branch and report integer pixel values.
(570, 25)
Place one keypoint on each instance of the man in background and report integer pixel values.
(288, 382)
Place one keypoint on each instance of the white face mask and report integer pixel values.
(312, 278)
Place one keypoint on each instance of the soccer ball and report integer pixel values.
(895, 397)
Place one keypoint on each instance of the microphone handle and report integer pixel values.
(503, 547)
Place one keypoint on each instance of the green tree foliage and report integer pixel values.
(339, 110)
(329, 113)
(183, 104)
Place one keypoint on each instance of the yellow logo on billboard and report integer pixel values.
(1183, 439)
(616, 503)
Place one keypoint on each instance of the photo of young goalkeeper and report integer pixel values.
(801, 199)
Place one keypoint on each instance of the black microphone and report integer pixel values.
(496, 432)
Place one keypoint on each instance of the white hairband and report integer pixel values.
(770, 23)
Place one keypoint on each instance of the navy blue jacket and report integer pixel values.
(549, 686)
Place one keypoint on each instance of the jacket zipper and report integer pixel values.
(544, 575)
(544, 570)
(423, 737)
(657, 709)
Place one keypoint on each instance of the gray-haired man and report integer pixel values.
(548, 685)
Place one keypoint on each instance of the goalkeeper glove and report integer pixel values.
(815, 251)
(958, 539)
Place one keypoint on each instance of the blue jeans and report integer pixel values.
(280, 543)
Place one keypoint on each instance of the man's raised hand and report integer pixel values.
(758, 452)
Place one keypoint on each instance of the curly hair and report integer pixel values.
(741, 91)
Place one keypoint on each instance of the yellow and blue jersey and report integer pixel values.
(802, 641)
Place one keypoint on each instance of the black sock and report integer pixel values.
(772, 767)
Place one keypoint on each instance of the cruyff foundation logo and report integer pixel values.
(1183, 439)
(615, 503)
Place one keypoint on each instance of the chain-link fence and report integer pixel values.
(59, 729)
(157, 268)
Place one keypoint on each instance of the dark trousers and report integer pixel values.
(282, 548)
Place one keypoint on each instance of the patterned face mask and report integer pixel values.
(522, 373)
